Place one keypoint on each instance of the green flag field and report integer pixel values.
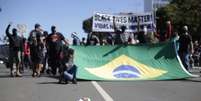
(129, 62)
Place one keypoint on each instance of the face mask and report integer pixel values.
(14, 32)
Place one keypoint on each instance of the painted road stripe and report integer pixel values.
(103, 93)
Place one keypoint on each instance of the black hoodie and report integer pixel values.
(15, 42)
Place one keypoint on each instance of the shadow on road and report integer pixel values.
(5, 76)
(192, 80)
(47, 83)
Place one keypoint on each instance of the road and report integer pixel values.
(46, 89)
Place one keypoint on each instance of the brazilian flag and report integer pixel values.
(129, 62)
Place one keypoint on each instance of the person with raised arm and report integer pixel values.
(120, 37)
(15, 48)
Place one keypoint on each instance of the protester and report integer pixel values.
(76, 40)
(83, 43)
(196, 53)
(185, 47)
(200, 52)
(27, 56)
(92, 39)
(45, 54)
(142, 36)
(110, 39)
(169, 30)
(69, 68)
(36, 48)
(15, 48)
(120, 37)
(130, 40)
(55, 48)
(21, 65)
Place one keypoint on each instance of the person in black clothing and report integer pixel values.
(76, 40)
(120, 37)
(55, 48)
(27, 57)
(83, 43)
(36, 49)
(142, 36)
(109, 39)
(15, 49)
(94, 40)
(185, 48)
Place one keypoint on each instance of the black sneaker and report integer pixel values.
(11, 74)
(48, 71)
(74, 81)
(66, 81)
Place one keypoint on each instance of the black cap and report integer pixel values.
(37, 25)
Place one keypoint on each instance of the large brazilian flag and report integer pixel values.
(129, 62)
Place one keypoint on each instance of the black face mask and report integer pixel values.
(14, 32)
(53, 29)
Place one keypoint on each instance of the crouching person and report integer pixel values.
(69, 68)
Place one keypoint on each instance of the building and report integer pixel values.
(151, 5)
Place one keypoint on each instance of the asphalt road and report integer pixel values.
(46, 89)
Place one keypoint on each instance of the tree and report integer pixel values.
(87, 25)
(183, 12)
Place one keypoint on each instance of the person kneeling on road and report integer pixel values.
(69, 68)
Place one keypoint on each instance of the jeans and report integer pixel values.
(185, 59)
(71, 73)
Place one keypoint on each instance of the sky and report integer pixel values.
(67, 15)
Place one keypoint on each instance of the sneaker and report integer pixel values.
(48, 71)
(66, 81)
(34, 74)
(12, 74)
(18, 75)
(74, 81)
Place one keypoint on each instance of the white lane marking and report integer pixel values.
(103, 93)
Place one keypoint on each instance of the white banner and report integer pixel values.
(104, 22)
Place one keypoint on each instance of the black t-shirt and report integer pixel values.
(15, 42)
(34, 37)
(54, 41)
(109, 40)
(141, 37)
(36, 45)
(76, 41)
(118, 39)
(184, 43)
